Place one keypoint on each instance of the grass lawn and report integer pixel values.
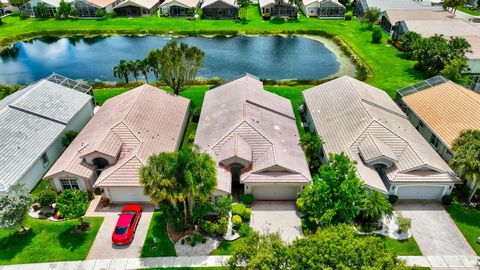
(389, 71)
(41, 186)
(227, 247)
(158, 230)
(474, 12)
(188, 268)
(407, 247)
(468, 221)
(47, 241)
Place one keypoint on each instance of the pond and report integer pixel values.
(93, 59)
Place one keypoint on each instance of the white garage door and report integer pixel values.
(127, 194)
(275, 192)
(420, 192)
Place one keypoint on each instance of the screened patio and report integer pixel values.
(330, 9)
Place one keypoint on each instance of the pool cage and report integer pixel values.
(72, 84)
(412, 89)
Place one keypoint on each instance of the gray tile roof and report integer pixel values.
(398, 4)
(30, 121)
(345, 111)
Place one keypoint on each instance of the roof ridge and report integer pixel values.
(118, 166)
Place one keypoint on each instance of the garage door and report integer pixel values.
(275, 192)
(420, 192)
(127, 194)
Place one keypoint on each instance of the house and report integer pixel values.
(109, 152)
(220, 9)
(390, 18)
(136, 8)
(29, 7)
(383, 5)
(366, 124)
(107, 5)
(85, 8)
(179, 8)
(281, 9)
(323, 9)
(440, 109)
(252, 136)
(33, 121)
(448, 28)
(6, 8)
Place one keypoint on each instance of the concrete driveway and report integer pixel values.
(277, 216)
(433, 228)
(102, 247)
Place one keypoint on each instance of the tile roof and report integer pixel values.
(264, 121)
(148, 4)
(101, 3)
(144, 121)
(30, 121)
(446, 109)
(207, 3)
(372, 148)
(396, 15)
(345, 111)
(446, 27)
(187, 3)
(399, 4)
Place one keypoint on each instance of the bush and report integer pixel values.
(68, 137)
(218, 227)
(237, 220)
(447, 199)
(244, 230)
(23, 16)
(248, 213)
(72, 203)
(348, 17)
(46, 197)
(404, 224)
(112, 15)
(222, 224)
(376, 35)
(392, 198)
(247, 199)
(239, 209)
(100, 13)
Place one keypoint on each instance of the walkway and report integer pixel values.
(445, 262)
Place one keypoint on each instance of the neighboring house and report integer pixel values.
(136, 8)
(118, 141)
(323, 9)
(281, 9)
(6, 8)
(390, 18)
(448, 28)
(220, 9)
(366, 124)
(29, 8)
(85, 8)
(33, 121)
(362, 5)
(179, 8)
(253, 138)
(103, 4)
(440, 109)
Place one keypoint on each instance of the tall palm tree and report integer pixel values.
(134, 67)
(121, 70)
(144, 68)
(153, 60)
(376, 206)
(466, 159)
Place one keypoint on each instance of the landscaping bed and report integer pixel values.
(467, 220)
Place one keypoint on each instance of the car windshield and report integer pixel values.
(121, 230)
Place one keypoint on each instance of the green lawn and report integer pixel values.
(474, 12)
(188, 268)
(389, 71)
(47, 241)
(41, 186)
(468, 221)
(158, 230)
(407, 247)
(227, 247)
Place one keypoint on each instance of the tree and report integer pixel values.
(14, 207)
(153, 60)
(375, 206)
(454, 70)
(407, 41)
(243, 7)
(73, 12)
(370, 16)
(179, 64)
(336, 194)
(144, 68)
(63, 9)
(17, 3)
(41, 10)
(454, 4)
(311, 144)
(134, 67)
(68, 137)
(466, 159)
(121, 70)
(376, 35)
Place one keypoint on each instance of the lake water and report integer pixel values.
(93, 59)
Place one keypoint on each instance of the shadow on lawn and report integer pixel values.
(14, 243)
(71, 240)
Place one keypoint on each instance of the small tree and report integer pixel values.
(121, 70)
(14, 207)
(407, 41)
(243, 8)
(403, 223)
(311, 144)
(46, 197)
(68, 137)
(41, 11)
(371, 16)
(17, 3)
(63, 9)
(179, 64)
(72, 203)
(454, 70)
(377, 35)
(101, 13)
(454, 4)
(73, 12)
(375, 206)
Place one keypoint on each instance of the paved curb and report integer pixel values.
(472, 262)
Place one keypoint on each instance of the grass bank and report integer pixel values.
(382, 62)
(467, 220)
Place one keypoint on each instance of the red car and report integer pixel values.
(126, 224)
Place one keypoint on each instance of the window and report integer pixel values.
(420, 125)
(45, 159)
(69, 184)
(434, 141)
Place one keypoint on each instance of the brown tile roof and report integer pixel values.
(396, 15)
(446, 109)
(187, 3)
(144, 121)
(101, 3)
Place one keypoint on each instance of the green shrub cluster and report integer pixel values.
(46, 197)
(247, 199)
(237, 220)
(72, 203)
(244, 230)
(241, 210)
(218, 227)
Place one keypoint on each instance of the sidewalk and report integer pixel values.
(452, 262)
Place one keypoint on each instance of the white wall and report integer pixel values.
(82, 183)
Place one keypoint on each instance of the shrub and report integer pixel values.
(68, 137)
(392, 198)
(100, 13)
(247, 199)
(222, 224)
(23, 16)
(238, 209)
(447, 199)
(237, 220)
(72, 203)
(208, 227)
(46, 197)
(376, 35)
(248, 213)
(244, 230)
(112, 14)
(404, 224)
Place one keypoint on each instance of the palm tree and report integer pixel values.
(121, 70)
(144, 68)
(376, 206)
(466, 159)
(134, 67)
(311, 144)
(153, 60)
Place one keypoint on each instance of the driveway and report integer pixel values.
(277, 216)
(102, 247)
(434, 230)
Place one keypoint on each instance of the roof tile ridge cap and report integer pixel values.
(273, 144)
(349, 81)
(141, 88)
(228, 133)
(374, 142)
(129, 129)
(360, 134)
(77, 155)
(118, 166)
